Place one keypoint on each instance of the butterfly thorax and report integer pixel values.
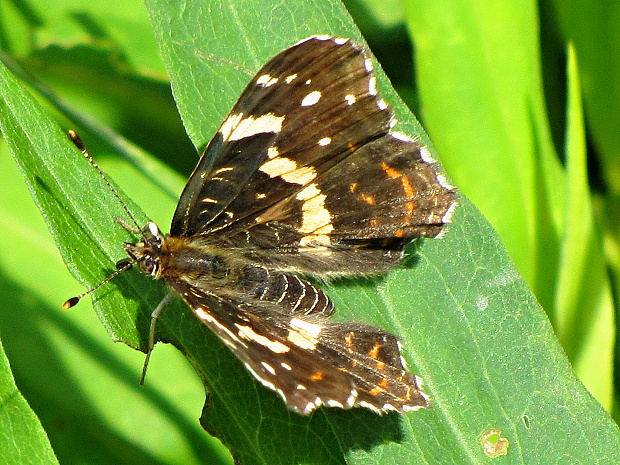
(174, 258)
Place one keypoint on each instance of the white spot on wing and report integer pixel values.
(264, 382)
(334, 403)
(350, 99)
(272, 152)
(304, 334)
(268, 367)
(301, 176)
(401, 136)
(369, 406)
(312, 329)
(200, 313)
(441, 179)
(236, 127)
(316, 219)
(325, 141)
(310, 406)
(352, 397)
(248, 333)
(368, 64)
(290, 78)
(311, 99)
(287, 169)
(223, 170)
(425, 154)
(372, 85)
(389, 408)
(266, 80)
(153, 229)
(226, 335)
(411, 408)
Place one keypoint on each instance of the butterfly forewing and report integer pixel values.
(301, 115)
(304, 177)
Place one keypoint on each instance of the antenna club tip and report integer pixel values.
(72, 302)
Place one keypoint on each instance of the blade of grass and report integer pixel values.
(585, 317)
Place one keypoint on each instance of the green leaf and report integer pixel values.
(118, 26)
(22, 438)
(468, 323)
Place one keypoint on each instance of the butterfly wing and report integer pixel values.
(307, 360)
(307, 109)
(305, 175)
(356, 217)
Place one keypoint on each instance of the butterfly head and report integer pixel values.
(146, 253)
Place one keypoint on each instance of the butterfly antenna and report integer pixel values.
(122, 265)
(80, 145)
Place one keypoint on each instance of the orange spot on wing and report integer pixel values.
(410, 206)
(374, 352)
(375, 391)
(369, 199)
(348, 339)
(391, 172)
(407, 187)
(352, 147)
(318, 376)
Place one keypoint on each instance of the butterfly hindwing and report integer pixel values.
(308, 360)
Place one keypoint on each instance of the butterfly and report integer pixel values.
(305, 180)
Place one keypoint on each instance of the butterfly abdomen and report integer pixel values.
(292, 294)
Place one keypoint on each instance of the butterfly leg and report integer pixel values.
(165, 301)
